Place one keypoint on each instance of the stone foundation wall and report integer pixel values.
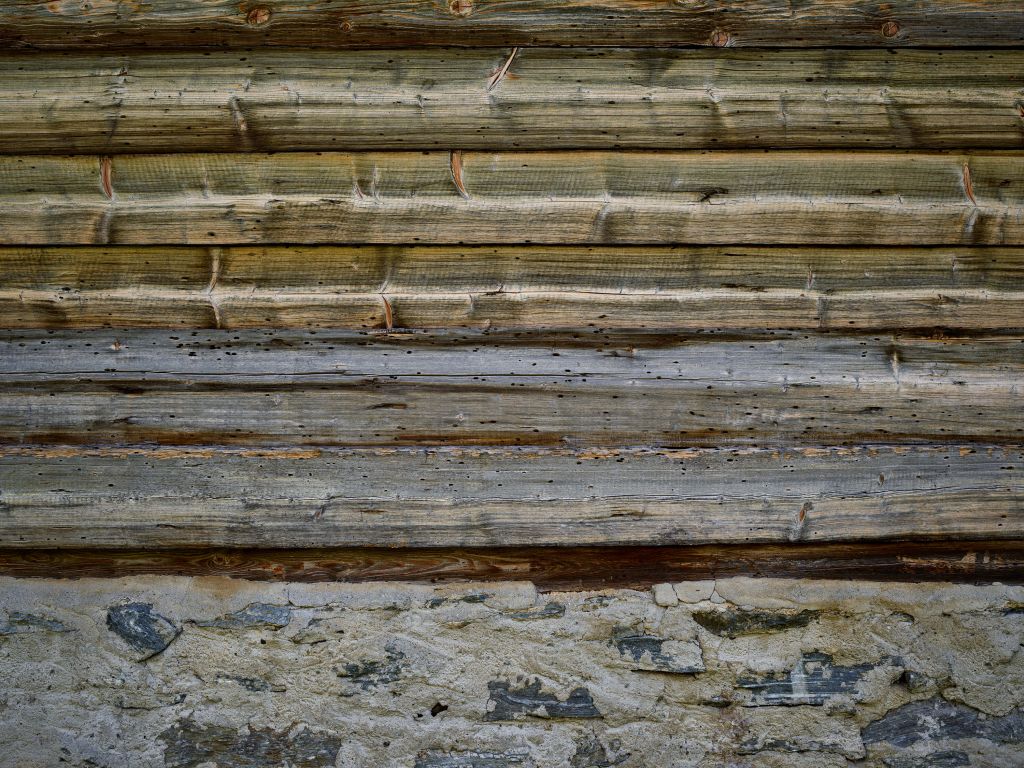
(183, 672)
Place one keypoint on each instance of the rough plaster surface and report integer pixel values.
(741, 672)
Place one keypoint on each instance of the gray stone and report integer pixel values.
(19, 622)
(753, 746)
(370, 673)
(813, 680)
(471, 760)
(915, 681)
(591, 753)
(944, 759)
(730, 622)
(254, 684)
(665, 595)
(253, 616)
(506, 702)
(190, 745)
(937, 719)
(144, 630)
(550, 611)
(471, 598)
(694, 591)
(649, 654)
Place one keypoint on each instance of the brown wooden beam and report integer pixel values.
(548, 568)
(384, 23)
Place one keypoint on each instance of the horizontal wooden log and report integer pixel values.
(58, 497)
(820, 198)
(424, 287)
(535, 98)
(549, 568)
(310, 389)
(337, 23)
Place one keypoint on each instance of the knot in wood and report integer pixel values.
(719, 38)
(890, 29)
(460, 7)
(258, 16)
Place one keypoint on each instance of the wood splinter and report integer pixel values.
(500, 73)
(106, 168)
(456, 166)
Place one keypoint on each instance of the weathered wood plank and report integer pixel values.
(337, 23)
(252, 388)
(140, 498)
(817, 198)
(61, 497)
(512, 287)
(549, 568)
(127, 286)
(537, 99)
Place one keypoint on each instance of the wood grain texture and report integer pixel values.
(340, 23)
(314, 389)
(536, 98)
(139, 498)
(549, 568)
(592, 334)
(820, 198)
(512, 287)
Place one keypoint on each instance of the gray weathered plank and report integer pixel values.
(136, 498)
(339, 23)
(512, 287)
(258, 388)
(536, 98)
(823, 198)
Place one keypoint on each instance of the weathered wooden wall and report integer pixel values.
(596, 294)
(442, 276)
